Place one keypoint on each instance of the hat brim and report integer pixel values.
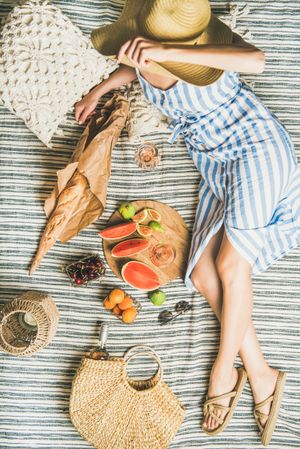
(108, 40)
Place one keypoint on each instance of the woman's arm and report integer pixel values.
(85, 108)
(240, 56)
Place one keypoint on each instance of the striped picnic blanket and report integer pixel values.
(34, 392)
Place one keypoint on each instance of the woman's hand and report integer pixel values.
(141, 51)
(85, 108)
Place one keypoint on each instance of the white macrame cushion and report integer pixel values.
(46, 65)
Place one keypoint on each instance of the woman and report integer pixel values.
(248, 214)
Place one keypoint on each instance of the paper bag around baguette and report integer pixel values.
(80, 194)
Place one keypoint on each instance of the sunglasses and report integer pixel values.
(166, 316)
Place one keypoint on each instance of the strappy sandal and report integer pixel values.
(267, 430)
(211, 405)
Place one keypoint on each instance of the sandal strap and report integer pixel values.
(210, 410)
(262, 403)
(214, 400)
(211, 405)
(259, 414)
(261, 428)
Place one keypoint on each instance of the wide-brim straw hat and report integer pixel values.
(187, 22)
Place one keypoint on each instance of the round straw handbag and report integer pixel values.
(28, 323)
(112, 411)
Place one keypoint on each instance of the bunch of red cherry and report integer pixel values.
(85, 270)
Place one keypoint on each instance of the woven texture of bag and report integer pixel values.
(16, 339)
(112, 411)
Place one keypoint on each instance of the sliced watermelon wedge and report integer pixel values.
(139, 275)
(130, 247)
(118, 231)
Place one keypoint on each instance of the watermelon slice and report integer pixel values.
(130, 247)
(139, 275)
(118, 231)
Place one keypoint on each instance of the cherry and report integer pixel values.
(78, 281)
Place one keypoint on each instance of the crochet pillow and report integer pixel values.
(46, 65)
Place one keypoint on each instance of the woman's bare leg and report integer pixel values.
(262, 378)
(236, 278)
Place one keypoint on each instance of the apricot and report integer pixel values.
(126, 303)
(129, 315)
(116, 296)
(108, 304)
(117, 310)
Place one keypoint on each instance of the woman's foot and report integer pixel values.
(263, 386)
(220, 382)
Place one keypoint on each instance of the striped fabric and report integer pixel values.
(34, 392)
(250, 181)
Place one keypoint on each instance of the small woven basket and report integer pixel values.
(20, 338)
(112, 411)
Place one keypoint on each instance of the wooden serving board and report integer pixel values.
(175, 234)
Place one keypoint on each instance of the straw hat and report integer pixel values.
(169, 21)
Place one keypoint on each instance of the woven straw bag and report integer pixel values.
(19, 340)
(112, 411)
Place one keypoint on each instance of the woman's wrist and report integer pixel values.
(98, 91)
(121, 76)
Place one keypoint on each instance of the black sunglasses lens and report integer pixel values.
(182, 306)
(165, 316)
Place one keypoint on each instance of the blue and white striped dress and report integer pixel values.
(249, 176)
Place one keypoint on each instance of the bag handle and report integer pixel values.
(135, 348)
(139, 350)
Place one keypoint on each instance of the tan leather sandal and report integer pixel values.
(267, 430)
(211, 405)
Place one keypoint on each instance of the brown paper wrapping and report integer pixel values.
(80, 194)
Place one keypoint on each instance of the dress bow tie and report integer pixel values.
(182, 125)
